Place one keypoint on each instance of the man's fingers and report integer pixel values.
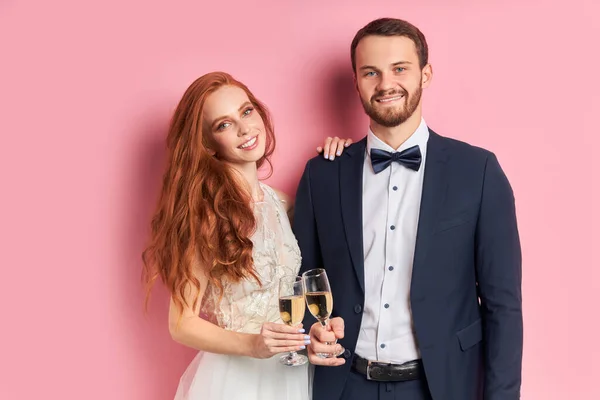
(337, 326)
(336, 323)
(325, 336)
(329, 362)
(324, 348)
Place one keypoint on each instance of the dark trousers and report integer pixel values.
(359, 388)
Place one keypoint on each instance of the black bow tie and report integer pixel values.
(410, 158)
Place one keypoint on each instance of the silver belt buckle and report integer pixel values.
(369, 370)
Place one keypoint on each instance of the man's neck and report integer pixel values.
(396, 135)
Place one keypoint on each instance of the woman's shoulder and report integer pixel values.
(286, 201)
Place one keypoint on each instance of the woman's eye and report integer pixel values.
(224, 125)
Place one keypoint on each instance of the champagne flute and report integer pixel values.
(291, 308)
(319, 299)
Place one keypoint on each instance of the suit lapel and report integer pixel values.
(351, 172)
(435, 188)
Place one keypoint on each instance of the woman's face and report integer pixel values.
(236, 129)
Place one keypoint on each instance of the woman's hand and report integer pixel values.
(333, 147)
(279, 338)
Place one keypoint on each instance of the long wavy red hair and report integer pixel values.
(203, 214)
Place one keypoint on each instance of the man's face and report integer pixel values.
(389, 79)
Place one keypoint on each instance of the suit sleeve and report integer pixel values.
(305, 227)
(499, 283)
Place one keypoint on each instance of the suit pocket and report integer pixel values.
(470, 336)
(455, 220)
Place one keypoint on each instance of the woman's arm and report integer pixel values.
(193, 331)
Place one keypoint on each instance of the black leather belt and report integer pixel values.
(385, 372)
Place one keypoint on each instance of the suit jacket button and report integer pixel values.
(347, 354)
(357, 308)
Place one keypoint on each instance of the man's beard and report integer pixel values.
(392, 116)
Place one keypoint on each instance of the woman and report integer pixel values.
(220, 243)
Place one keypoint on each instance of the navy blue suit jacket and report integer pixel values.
(466, 282)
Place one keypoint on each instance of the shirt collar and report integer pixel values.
(419, 137)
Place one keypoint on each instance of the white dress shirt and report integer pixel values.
(391, 202)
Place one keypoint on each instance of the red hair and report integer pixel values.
(203, 214)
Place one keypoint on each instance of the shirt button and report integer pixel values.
(395, 188)
(382, 345)
(392, 227)
(357, 308)
(386, 305)
(391, 268)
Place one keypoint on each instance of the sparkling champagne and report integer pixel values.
(320, 304)
(292, 309)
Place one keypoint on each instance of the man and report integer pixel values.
(418, 235)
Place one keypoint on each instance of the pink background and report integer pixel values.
(86, 90)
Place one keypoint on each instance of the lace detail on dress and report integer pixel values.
(246, 305)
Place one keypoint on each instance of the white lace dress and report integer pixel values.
(244, 308)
